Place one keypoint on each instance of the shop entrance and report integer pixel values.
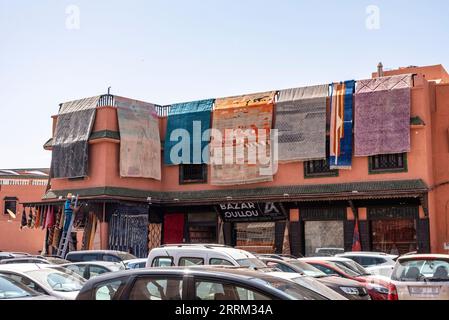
(322, 237)
(395, 236)
(258, 237)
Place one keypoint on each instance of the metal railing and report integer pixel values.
(109, 100)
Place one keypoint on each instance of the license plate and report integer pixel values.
(431, 291)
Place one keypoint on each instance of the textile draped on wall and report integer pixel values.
(250, 112)
(70, 153)
(154, 235)
(382, 115)
(186, 116)
(140, 144)
(341, 125)
(301, 123)
(286, 242)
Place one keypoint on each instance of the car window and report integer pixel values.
(109, 290)
(379, 261)
(78, 269)
(150, 288)
(88, 257)
(326, 270)
(185, 261)
(11, 289)
(111, 258)
(220, 262)
(97, 270)
(162, 262)
(279, 266)
(422, 270)
(27, 282)
(207, 290)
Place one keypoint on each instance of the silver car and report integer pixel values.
(421, 277)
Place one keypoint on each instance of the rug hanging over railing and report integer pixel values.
(382, 115)
(301, 123)
(341, 124)
(140, 144)
(238, 160)
(188, 146)
(70, 153)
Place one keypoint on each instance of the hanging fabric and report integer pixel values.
(23, 222)
(301, 123)
(382, 115)
(286, 241)
(341, 125)
(30, 218)
(70, 152)
(248, 161)
(193, 117)
(140, 144)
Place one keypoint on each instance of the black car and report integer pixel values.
(193, 284)
(99, 255)
(348, 288)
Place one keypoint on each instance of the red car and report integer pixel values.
(377, 286)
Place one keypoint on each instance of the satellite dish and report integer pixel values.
(12, 214)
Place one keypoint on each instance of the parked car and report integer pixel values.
(45, 279)
(377, 286)
(370, 259)
(135, 263)
(278, 256)
(11, 255)
(92, 269)
(193, 284)
(10, 289)
(24, 260)
(56, 260)
(350, 289)
(201, 254)
(309, 283)
(420, 277)
(99, 255)
(328, 251)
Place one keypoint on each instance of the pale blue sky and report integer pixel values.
(175, 51)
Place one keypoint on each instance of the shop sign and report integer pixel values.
(251, 211)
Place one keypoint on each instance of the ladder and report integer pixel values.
(64, 243)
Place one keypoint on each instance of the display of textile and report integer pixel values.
(154, 235)
(382, 115)
(238, 160)
(286, 243)
(23, 222)
(192, 118)
(140, 144)
(70, 150)
(301, 123)
(341, 125)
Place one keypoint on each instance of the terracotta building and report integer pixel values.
(17, 186)
(399, 200)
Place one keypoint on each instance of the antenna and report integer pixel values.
(109, 90)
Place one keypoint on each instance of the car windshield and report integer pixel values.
(251, 263)
(126, 256)
(422, 270)
(345, 269)
(10, 289)
(58, 279)
(308, 269)
(116, 267)
(354, 266)
(292, 289)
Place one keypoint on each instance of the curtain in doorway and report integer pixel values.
(174, 228)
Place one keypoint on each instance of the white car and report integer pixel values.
(92, 269)
(309, 283)
(201, 254)
(55, 281)
(135, 263)
(370, 259)
(421, 277)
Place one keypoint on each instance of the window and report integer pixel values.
(207, 290)
(326, 270)
(25, 281)
(78, 269)
(156, 289)
(385, 163)
(162, 262)
(10, 204)
(192, 173)
(318, 168)
(109, 290)
(219, 262)
(280, 266)
(96, 270)
(190, 262)
(111, 258)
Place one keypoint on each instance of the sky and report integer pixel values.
(169, 51)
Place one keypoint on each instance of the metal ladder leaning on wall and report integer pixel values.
(64, 244)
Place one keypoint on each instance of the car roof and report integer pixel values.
(424, 256)
(230, 251)
(366, 253)
(326, 259)
(136, 260)
(99, 263)
(96, 251)
(23, 267)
